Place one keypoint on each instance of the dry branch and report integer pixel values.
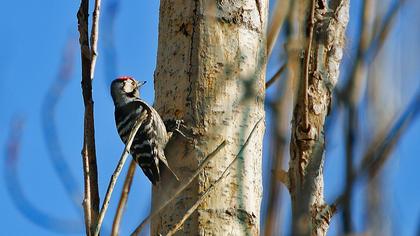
(123, 198)
(116, 174)
(91, 195)
(94, 34)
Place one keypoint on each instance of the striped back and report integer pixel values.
(144, 149)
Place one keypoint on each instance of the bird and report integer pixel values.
(151, 138)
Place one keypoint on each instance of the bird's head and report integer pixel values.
(125, 89)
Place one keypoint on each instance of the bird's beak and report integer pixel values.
(140, 83)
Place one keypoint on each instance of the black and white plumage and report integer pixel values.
(150, 141)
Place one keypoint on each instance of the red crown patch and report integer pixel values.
(125, 78)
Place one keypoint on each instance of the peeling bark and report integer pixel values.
(210, 73)
(325, 32)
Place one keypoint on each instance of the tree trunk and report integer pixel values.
(323, 30)
(211, 73)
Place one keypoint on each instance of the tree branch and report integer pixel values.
(310, 216)
(123, 198)
(276, 76)
(91, 195)
(94, 34)
(116, 174)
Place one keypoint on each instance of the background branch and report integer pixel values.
(20, 200)
(369, 45)
(280, 110)
(279, 14)
(380, 149)
(48, 113)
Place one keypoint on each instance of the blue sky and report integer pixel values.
(33, 40)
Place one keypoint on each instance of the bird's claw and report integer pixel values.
(175, 126)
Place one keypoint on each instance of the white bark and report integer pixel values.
(210, 73)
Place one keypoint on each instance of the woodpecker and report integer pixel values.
(150, 140)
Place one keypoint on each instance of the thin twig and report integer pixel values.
(276, 76)
(213, 185)
(91, 190)
(123, 198)
(180, 189)
(311, 24)
(94, 34)
(116, 174)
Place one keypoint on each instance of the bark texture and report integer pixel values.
(210, 73)
(324, 29)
